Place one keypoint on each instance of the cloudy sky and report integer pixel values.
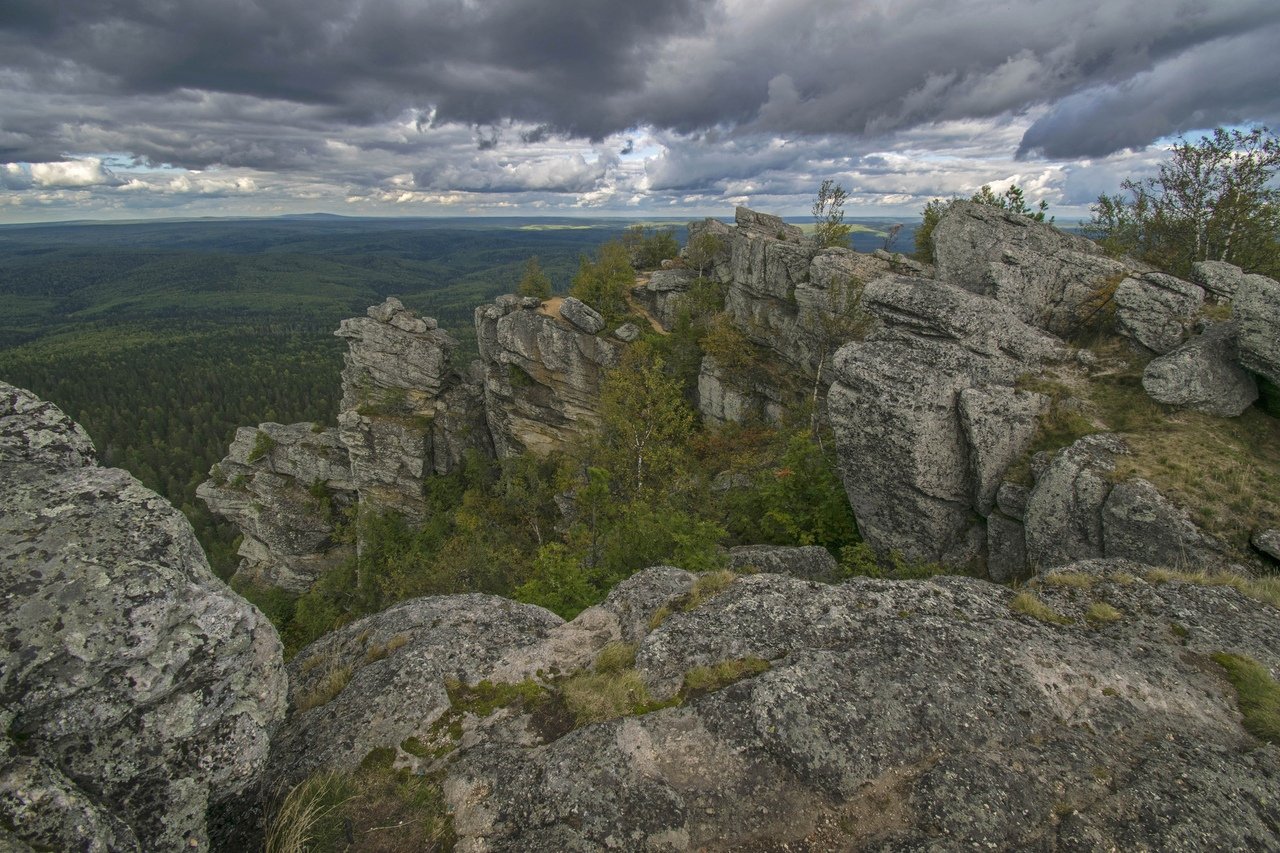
(144, 108)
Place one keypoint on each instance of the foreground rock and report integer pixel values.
(1203, 374)
(1257, 308)
(138, 691)
(862, 731)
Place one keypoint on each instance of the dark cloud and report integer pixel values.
(735, 96)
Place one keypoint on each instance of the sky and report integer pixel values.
(134, 109)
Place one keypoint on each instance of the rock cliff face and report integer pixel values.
(855, 727)
(138, 691)
(542, 371)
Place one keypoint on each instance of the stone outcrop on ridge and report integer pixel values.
(542, 373)
(138, 690)
(286, 488)
(1047, 277)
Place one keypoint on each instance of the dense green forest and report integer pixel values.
(162, 337)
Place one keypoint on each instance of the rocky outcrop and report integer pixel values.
(1077, 511)
(1268, 542)
(849, 730)
(810, 562)
(1047, 277)
(1221, 280)
(138, 691)
(1257, 308)
(397, 382)
(1203, 374)
(286, 488)
(722, 399)
(1157, 310)
(926, 416)
(662, 291)
(542, 375)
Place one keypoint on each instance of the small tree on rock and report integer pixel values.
(828, 212)
(534, 282)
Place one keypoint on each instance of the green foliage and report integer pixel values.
(648, 247)
(485, 698)
(798, 501)
(1214, 199)
(737, 357)
(828, 213)
(559, 583)
(604, 283)
(929, 217)
(707, 679)
(533, 281)
(263, 444)
(1257, 693)
(702, 251)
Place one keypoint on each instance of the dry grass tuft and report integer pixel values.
(1027, 603)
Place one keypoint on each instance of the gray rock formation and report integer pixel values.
(1006, 548)
(1268, 542)
(721, 400)
(1203, 374)
(627, 332)
(810, 562)
(542, 376)
(1140, 524)
(1045, 275)
(1257, 308)
(581, 315)
(1064, 511)
(396, 384)
(285, 488)
(1157, 310)
(1076, 511)
(1221, 280)
(138, 691)
(661, 293)
(863, 732)
(916, 409)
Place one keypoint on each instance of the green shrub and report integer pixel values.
(262, 445)
(1257, 693)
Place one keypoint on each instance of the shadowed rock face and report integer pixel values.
(138, 690)
(893, 715)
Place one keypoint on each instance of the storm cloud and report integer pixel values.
(684, 102)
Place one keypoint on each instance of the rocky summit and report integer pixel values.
(1086, 661)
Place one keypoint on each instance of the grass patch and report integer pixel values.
(594, 697)
(1266, 590)
(1101, 613)
(1074, 580)
(1257, 694)
(707, 679)
(374, 809)
(486, 697)
(378, 651)
(330, 684)
(616, 657)
(1029, 604)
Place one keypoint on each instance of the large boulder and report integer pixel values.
(1203, 374)
(1157, 310)
(810, 562)
(662, 291)
(1048, 277)
(850, 729)
(1221, 280)
(139, 691)
(1140, 524)
(1257, 308)
(927, 418)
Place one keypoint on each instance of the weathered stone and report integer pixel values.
(1045, 275)
(720, 400)
(581, 315)
(139, 691)
(766, 225)
(285, 488)
(542, 378)
(1203, 374)
(662, 291)
(627, 332)
(1257, 308)
(913, 477)
(999, 425)
(1006, 549)
(1011, 499)
(717, 264)
(1220, 279)
(1140, 524)
(1157, 310)
(1268, 542)
(866, 733)
(1064, 513)
(811, 562)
